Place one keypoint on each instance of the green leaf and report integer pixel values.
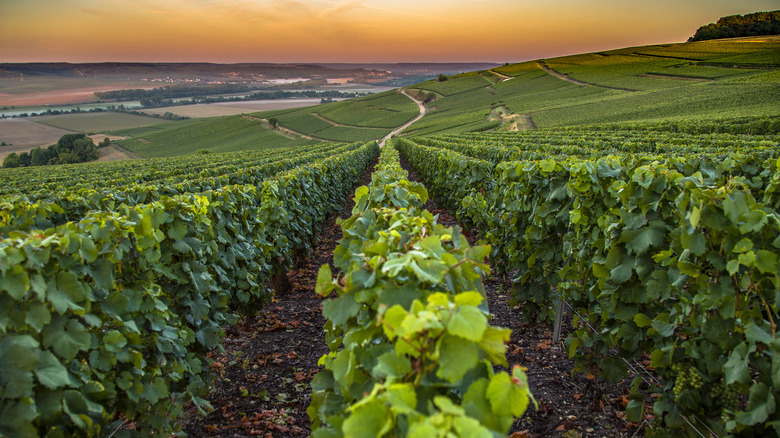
(506, 398)
(432, 271)
(339, 310)
(493, 342)
(66, 337)
(547, 166)
(641, 320)
(752, 221)
(68, 293)
(156, 390)
(621, 273)
(732, 266)
(178, 230)
(645, 238)
(114, 341)
(392, 366)
(324, 281)
(75, 405)
(694, 242)
(736, 368)
(666, 329)
(446, 406)
(38, 316)
(19, 416)
(761, 404)
(402, 398)
(456, 358)
(50, 372)
(369, 420)
(695, 216)
(469, 299)
(393, 319)
(468, 322)
(469, 427)
(16, 282)
(423, 430)
(766, 261)
(754, 333)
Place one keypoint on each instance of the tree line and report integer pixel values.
(70, 148)
(757, 23)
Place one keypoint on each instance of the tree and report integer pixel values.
(442, 77)
(11, 160)
(106, 142)
(39, 157)
(24, 159)
(274, 122)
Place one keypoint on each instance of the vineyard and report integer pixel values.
(113, 295)
(664, 244)
(641, 221)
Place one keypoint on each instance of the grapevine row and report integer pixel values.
(25, 212)
(114, 314)
(411, 350)
(673, 260)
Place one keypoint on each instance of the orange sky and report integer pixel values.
(344, 30)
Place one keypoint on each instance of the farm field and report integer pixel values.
(632, 84)
(96, 122)
(25, 133)
(221, 134)
(232, 108)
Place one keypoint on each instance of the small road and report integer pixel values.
(500, 75)
(397, 130)
(564, 77)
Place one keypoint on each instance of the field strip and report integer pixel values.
(676, 77)
(125, 151)
(500, 75)
(299, 134)
(397, 130)
(335, 123)
(566, 77)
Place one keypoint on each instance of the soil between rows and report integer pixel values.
(262, 385)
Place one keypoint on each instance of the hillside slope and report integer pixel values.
(703, 80)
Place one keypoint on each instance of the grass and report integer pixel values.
(96, 122)
(383, 110)
(222, 134)
(455, 84)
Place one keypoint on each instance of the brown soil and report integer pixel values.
(58, 97)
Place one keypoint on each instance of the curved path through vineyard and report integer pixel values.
(396, 131)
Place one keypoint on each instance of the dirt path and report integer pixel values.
(335, 123)
(561, 76)
(289, 131)
(565, 77)
(398, 130)
(500, 75)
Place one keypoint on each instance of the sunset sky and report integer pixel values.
(228, 31)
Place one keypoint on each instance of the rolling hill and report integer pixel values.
(705, 81)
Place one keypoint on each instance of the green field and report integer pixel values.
(219, 134)
(703, 80)
(96, 122)
(383, 110)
